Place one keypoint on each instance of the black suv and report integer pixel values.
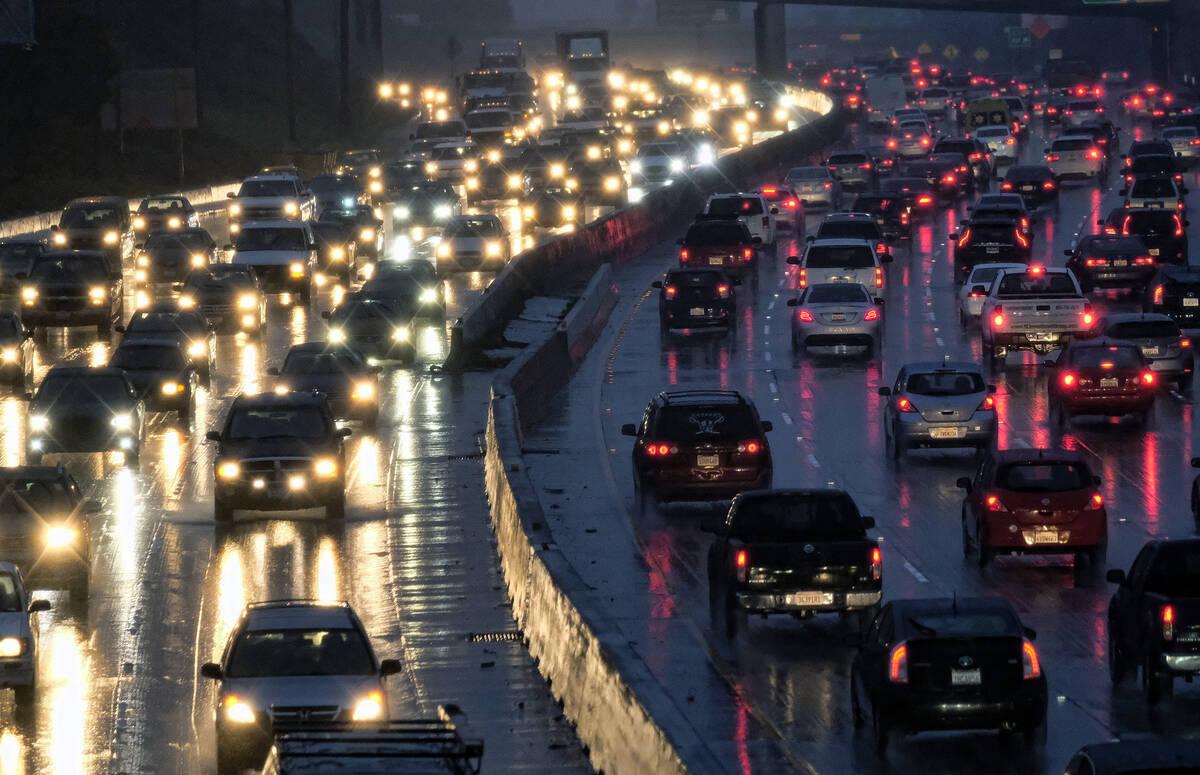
(279, 451)
(44, 526)
(167, 256)
(375, 328)
(1163, 231)
(339, 372)
(1035, 183)
(165, 320)
(1175, 291)
(853, 226)
(73, 288)
(160, 373)
(696, 298)
(1111, 261)
(81, 409)
(988, 240)
(890, 212)
(978, 156)
(96, 223)
(229, 297)
(699, 445)
(365, 228)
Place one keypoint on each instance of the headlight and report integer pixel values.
(297, 269)
(143, 260)
(375, 172)
(60, 238)
(123, 421)
(29, 293)
(472, 183)
(290, 208)
(557, 170)
(403, 213)
(635, 165)
(171, 388)
(493, 157)
(39, 422)
(514, 181)
(444, 250)
(235, 209)
(528, 212)
(139, 223)
(111, 237)
(199, 259)
(375, 187)
(428, 296)
(327, 466)
(494, 249)
(400, 334)
(237, 711)
(247, 301)
(336, 254)
(186, 301)
(9, 354)
(98, 293)
(57, 537)
(363, 391)
(700, 118)
(196, 349)
(624, 146)
(676, 165)
(664, 128)
(229, 470)
(337, 335)
(442, 211)
(370, 708)
(366, 235)
(347, 202)
(706, 155)
(568, 212)
(470, 165)
(593, 152)
(431, 168)
(11, 647)
(174, 223)
(612, 184)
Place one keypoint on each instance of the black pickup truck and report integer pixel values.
(798, 552)
(1154, 616)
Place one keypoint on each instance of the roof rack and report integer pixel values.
(675, 395)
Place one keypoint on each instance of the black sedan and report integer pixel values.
(160, 373)
(168, 256)
(692, 299)
(16, 259)
(890, 212)
(412, 284)
(379, 331)
(227, 295)
(1111, 261)
(948, 663)
(1034, 182)
(337, 370)
(1175, 291)
(166, 320)
(337, 249)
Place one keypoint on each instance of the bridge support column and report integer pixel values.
(770, 38)
(1162, 41)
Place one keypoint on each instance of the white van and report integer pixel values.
(885, 95)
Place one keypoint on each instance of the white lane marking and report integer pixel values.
(787, 418)
(767, 328)
(813, 459)
(771, 306)
(918, 575)
(1022, 443)
(767, 355)
(782, 280)
(939, 341)
(773, 388)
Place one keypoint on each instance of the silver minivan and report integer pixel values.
(842, 261)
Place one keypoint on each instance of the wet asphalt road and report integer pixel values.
(785, 683)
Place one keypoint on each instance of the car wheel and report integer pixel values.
(335, 507)
(1185, 382)
(856, 709)
(963, 321)
(985, 554)
(1118, 663)
(222, 513)
(25, 697)
(880, 729)
(1155, 684)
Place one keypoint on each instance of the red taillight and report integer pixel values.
(770, 191)
(752, 447)
(1031, 666)
(876, 564)
(949, 180)
(1006, 186)
(975, 156)
(891, 143)
(1068, 380)
(683, 255)
(803, 280)
(1021, 240)
(966, 235)
(1158, 294)
(986, 405)
(994, 504)
(1052, 157)
(670, 290)
(925, 141)
(723, 291)
(872, 314)
(1093, 154)
(1096, 502)
(1097, 262)
(1185, 342)
(657, 449)
(1168, 622)
(864, 166)
(806, 317)
(925, 200)
(904, 405)
(747, 253)
(1048, 185)
(1178, 226)
(1148, 378)
(1088, 318)
(828, 185)
(1143, 260)
(1009, 141)
(743, 566)
(898, 664)
(998, 320)
(791, 204)
(878, 277)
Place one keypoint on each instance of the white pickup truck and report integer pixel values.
(271, 198)
(1036, 308)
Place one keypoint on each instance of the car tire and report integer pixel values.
(880, 730)
(25, 699)
(222, 513)
(1156, 685)
(1118, 662)
(335, 507)
(985, 554)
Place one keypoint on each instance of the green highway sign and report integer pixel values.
(1019, 37)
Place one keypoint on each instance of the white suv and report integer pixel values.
(842, 261)
(271, 198)
(754, 211)
(1075, 156)
(282, 253)
(293, 664)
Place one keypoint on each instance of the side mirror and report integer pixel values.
(767, 426)
(991, 388)
(1187, 223)
(737, 281)
(1101, 223)
(809, 238)
(963, 483)
(656, 284)
(213, 436)
(212, 670)
(1183, 189)
(37, 606)
(794, 260)
(27, 396)
(412, 137)
(273, 371)
(1050, 363)
(628, 429)
(231, 195)
(774, 211)
(1196, 462)
(793, 302)
(177, 287)
(389, 667)
(343, 433)
(867, 522)
(756, 240)
(27, 334)
(1115, 576)
(120, 329)
(953, 235)
(21, 275)
(325, 314)
(884, 391)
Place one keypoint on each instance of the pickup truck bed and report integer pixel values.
(1039, 309)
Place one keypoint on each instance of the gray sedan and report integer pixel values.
(1163, 344)
(939, 404)
(841, 317)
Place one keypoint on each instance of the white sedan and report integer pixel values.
(975, 289)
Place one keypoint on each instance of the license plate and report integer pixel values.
(1191, 302)
(696, 311)
(945, 433)
(1026, 188)
(993, 251)
(1150, 352)
(708, 461)
(966, 677)
(716, 261)
(1154, 251)
(837, 316)
(1120, 262)
(809, 598)
(1109, 382)
(1045, 536)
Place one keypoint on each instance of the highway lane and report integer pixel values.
(792, 677)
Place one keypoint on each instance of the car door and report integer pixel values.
(1130, 600)
(979, 484)
(872, 658)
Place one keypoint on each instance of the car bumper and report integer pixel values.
(977, 431)
(243, 495)
(724, 484)
(1038, 341)
(1087, 529)
(1117, 277)
(1026, 709)
(790, 601)
(44, 444)
(683, 316)
(1108, 406)
(816, 199)
(1075, 170)
(1180, 663)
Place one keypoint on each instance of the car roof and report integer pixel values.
(841, 242)
(294, 614)
(1032, 455)
(270, 177)
(943, 366)
(701, 397)
(1134, 317)
(117, 201)
(945, 605)
(270, 399)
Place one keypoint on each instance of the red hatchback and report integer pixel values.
(1107, 377)
(1034, 501)
(720, 242)
(784, 200)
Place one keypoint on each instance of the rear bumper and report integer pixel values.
(673, 486)
(1186, 664)
(1088, 529)
(1038, 341)
(1116, 277)
(1109, 406)
(976, 431)
(17, 672)
(1026, 709)
(780, 602)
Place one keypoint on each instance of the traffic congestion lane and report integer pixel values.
(827, 419)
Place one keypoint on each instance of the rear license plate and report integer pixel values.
(1154, 251)
(837, 317)
(1191, 302)
(1120, 262)
(696, 312)
(1150, 352)
(993, 251)
(966, 677)
(808, 598)
(1045, 536)
(716, 261)
(1109, 382)
(945, 433)
(708, 461)
(1026, 188)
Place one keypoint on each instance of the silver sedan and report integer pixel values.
(939, 404)
(843, 318)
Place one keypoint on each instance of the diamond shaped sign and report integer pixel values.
(950, 52)
(1039, 29)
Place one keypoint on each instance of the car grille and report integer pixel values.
(64, 303)
(261, 213)
(274, 470)
(299, 715)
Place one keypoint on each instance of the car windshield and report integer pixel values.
(160, 205)
(489, 118)
(658, 149)
(944, 383)
(44, 497)
(453, 153)
(360, 312)
(1145, 329)
(1111, 245)
(152, 357)
(848, 158)
(270, 239)
(233, 274)
(716, 233)
(328, 362)
(267, 188)
(706, 424)
(1175, 572)
(89, 217)
(1156, 188)
(264, 653)
(1035, 284)
(157, 242)
(962, 625)
(734, 205)
(17, 257)
(1105, 357)
(808, 173)
(798, 517)
(301, 422)
(10, 598)
(837, 293)
(839, 257)
(356, 158)
(435, 129)
(861, 229)
(69, 269)
(472, 227)
(88, 392)
(1038, 476)
(154, 323)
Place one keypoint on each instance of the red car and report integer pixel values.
(718, 241)
(782, 198)
(1107, 377)
(1034, 501)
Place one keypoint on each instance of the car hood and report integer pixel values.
(263, 693)
(269, 257)
(324, 383)
(278, 447)
(265, 201)
(14, 624)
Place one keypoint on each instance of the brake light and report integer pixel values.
(803, 282)
(656, 449)
(994, 504)
(752, 447)
(1158, 294)
(949, 179)
(1185, 342)
(806, 317)
(1178, 226)
(876, 564)
(1021, 239)
(1006, 186)
(1048, 185)
(904, 405)
(904, 218)
(1035, 269)
(975, 156)
(891, 143)
(828, 185)
(1097, 262)
(998, 320)
(1096, 502)
(1148, 378)
(898, 664)
(864, 166)
(1052, 157)
(743, 566)
(878, 277)
(670, 290)
(683, 255)
(986, 405)
(1093, 153)
(925, 200)
(966, 235)
(791, 204)
(1009, 141)
(872, 314)
(747, 253)
(1031, 666)
(770, 191)
(1143, 260)
(1088, 318)
(723, 291)
(925, 140)
(1068, 380)
(1168, 622)
(881, 247)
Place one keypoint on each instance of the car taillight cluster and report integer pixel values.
(742, 563)
(925, 140)
(683, 255)
(1068, 380)
(1031, 666)
(1093, 153)
(747, 253)
(670, 291)
(1006, 186)
(1158, 294)
(904, 405)
(658, 449)
(751, 447)
(878, 277)
(1088, 318)
(1095, 503)
(1048, 185)
(925, 199)
(1143, 260)
(803, 281)
(998, 316)
(805, 316)
(723, 291)
(791, 203)
(986, 405)
(1053, 157)
(1168, 622)
(994, 504)
(898, 664)
(872, 314)
(1148, 378)
(1097, 262)
(949, 180)
(876, 564)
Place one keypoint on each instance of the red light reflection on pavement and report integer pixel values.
(672, 368)
(741, 733)
(658, 559)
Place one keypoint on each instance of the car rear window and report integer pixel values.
(837, 293)
(1075, 144)
(1145, 329)
(986, 132)
(1152, 165)
(808, 173)
(1147, 222)
(1040, 476)
(1106, 357)
(693, 279)
(706, 424)
(1028, 173)
(839, 257)
(1029, 284)
(983, 276)
(982, 233)
(861, 229)
(1152, 188)
(1176, 572)
(848, 158)
(944, 383)
(716, 233)
(798, 517)
(961, 625)
(735, 205)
